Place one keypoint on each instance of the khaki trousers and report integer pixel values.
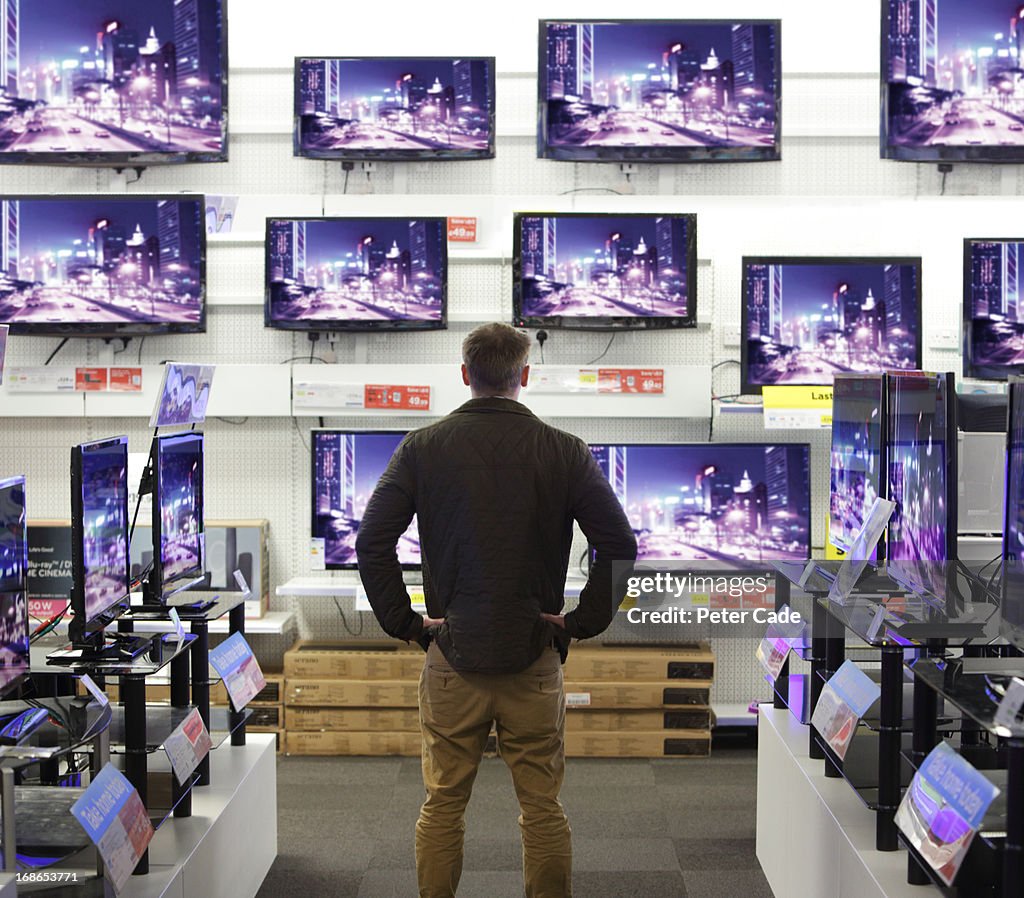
(456, 711)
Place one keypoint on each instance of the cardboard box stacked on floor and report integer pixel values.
(267, 709)
(360, 698)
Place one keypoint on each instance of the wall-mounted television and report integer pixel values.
(922, 458)
(394, 107)
(659, 90)
(993, 308)
(345, 469)
(951, 86)
(96, 266)
(352, 274)
(598, 272)
(113, 82)
(858, 473)
(1012, 605)
(805, 319)
(713, 501)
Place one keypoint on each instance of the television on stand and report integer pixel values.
(1011, 625)
(14, 638)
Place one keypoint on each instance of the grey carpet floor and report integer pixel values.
(650, 829)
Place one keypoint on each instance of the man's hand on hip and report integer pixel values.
(432, 621)
(557, 619)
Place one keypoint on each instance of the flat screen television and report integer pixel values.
(649, 90)
(114, 82)
(858, 470)
(951, 87)
(346, 466)
(1012, 606)
(394, 107)
(922, 459)
(993, 326)
(599, 272)
(99, 535)
(177, 462)
(713, 501)
(805, 319)
(14, 649)
(96, 266)
(356, 274)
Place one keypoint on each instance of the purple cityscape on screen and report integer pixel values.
(394, 105)
(112, 77)
(105, 527)
(806, 322)
(13, 559)
(954, 73)
(713, 502)
(180, 469)
(996, 327)
(346, 468)
(100, 262)
(604, 266)
(667, 86)
(355, 270)
(1012, 607)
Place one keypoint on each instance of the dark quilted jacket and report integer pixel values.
(496, 491)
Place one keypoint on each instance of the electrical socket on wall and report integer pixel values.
(731, 335)
(945, 339)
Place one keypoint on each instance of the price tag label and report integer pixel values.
(239, 669)
(577, 699)
(243, 586)
(1008, 713)
(179, 628)
(462, 230)
(126, 380)
(90, 380)
(317, 558)
(188, 745)
(95, 691)
(631, 380)
(876, 623)
(846, 698)
(397, 396)
(41, 380)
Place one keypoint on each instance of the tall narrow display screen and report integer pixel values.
(1012, 606)
(394, 107)
(713, 501)
(113, 82)
(13, 540)
(659, 91)
(178, 508)
(103, 266)
(806, 319)
(99, 527)
(858, 472)
(604, 271)
(922, 452)
(346, 468)
(993, 308)
(951, 85)
(327, 274)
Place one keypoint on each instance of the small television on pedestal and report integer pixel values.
(14, 647)
(1012, 605)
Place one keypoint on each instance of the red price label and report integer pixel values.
(90, 379)
(630, 380)
(462, 230)
(126, 380)
(397, 396)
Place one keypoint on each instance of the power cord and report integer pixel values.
(542, 337)
(344, 620)
(60, 346)
(603, 354)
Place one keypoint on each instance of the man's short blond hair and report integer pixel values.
(495, 355)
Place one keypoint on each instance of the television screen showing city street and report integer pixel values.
(346, 468)
(713, 502)
(807, 319)
(1012, 606)
(605, 270)
(104, 522)
(102, 265)
(356, 273)
(180, 490)
(922, 479)
(13, 535)
(993, 308)
(953, 80)
(857, 478)
(660, 91)
(395, 108)
(108, 81)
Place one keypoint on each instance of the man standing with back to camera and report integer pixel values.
(496, 492)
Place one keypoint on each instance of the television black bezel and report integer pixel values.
(397, 155)
(605, 322)
(652, 154)
(8, 483)
(1013, 633)
(355, 326)
(163, 588)
(970, 367)
(347, 566)
(143, 158)
(110, 328)
(82, 628)
(747, 387)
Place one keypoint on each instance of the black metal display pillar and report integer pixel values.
(835, 654)
(200, 652)
(181, 793)
(236, 624)
(889, 762)
(781, 693)
(925, 738)
(819, 628)
(133, 694)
